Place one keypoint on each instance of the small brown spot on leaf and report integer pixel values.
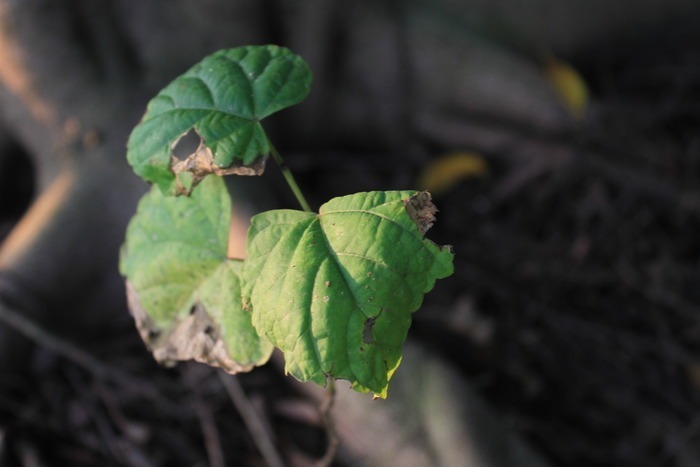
(421, 210)
(328, 283)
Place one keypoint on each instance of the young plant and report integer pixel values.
(333, 290)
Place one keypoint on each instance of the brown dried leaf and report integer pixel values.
(195, 337)
(421, 210)
(201, 163)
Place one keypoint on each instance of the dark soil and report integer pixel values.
(587, 269)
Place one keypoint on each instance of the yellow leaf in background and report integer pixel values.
(446, 171)
(568, 85)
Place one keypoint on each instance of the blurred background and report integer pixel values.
(559, 140)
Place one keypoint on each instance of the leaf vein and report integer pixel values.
(314, 341)
(207, 86)
(248, 82)
(202, 109)
(343, 273)
(285, 80)
(373, 261)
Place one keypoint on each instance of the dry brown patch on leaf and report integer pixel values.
(201, 163)
(195, 337)
(421, 210)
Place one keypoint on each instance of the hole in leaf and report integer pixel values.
(186, 145)
(367, 332)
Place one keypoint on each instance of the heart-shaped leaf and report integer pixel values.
(183, 291)
(223, 98)
(335, 290)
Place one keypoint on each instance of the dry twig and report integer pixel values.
(212, 440)
(252, 420)
(70, 351)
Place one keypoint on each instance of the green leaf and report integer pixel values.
(224, 98)
(183, 291)
(335, 291)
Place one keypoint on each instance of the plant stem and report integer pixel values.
(327, 416)
(289, 178)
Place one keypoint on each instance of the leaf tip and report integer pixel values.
(380, 394)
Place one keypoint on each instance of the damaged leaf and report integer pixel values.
(421, 210)
(184, 293)
(223, 98)
(192, 170)
(335, 290)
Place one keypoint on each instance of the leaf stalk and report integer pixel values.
(289, 178)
